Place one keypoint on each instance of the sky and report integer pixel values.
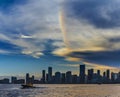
(35, 34)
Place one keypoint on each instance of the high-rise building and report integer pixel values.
(49, 74)
(98, 72)
(104, 74)
(27, 78)
(90, 75)
(112, 76)
(119, 75)
(68, 77)
(108, 74)
(32, 79)
(57, 77)
(47, 78)
(82, 74)
(13, 80)
(63, 78)
(43, 76)
(74, 79)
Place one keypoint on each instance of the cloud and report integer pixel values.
(34, 54)
(30, 26)
(26, 37)
(91, 31)
(101, 14)
(73, 59)
(61, 51)
(4, 52)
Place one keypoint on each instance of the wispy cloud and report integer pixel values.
(30, 25)
(4, 52)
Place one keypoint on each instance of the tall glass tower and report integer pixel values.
(82, 74)
(49, 74)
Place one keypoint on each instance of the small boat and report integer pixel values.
(27, 86)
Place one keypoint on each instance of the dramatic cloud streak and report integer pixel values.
(92, 31)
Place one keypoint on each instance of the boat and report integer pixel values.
(27, 86)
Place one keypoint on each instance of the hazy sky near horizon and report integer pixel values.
(35, 34)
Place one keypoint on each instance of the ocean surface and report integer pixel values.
(61, 91)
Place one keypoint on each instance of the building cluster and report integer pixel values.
(14, 80)
(90, 78)
(68, 78)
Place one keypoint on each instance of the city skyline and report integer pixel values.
(68, 67)
(36, 34)
(48, 77)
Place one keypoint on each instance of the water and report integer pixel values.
(61, 91)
